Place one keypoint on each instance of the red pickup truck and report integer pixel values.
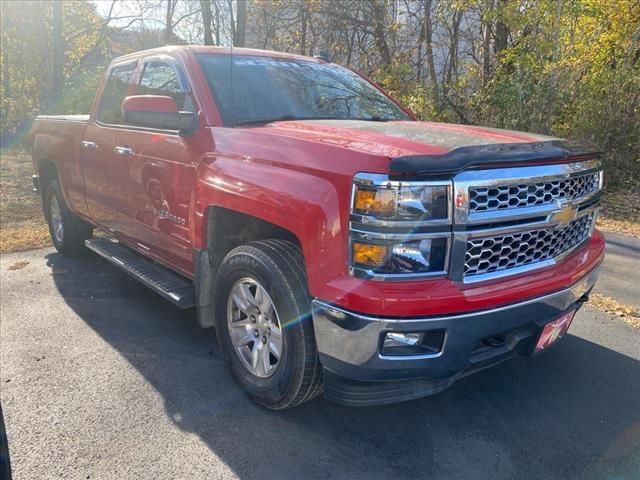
(336, 243)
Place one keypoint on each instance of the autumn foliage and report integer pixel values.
(565, 67)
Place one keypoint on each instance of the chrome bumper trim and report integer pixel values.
(348, 340)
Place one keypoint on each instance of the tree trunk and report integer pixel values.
(6, 61)
(241, 24)
(429, 47)
(216, 22)
(205, 6)
(379, 14)
(58, 49)
(486, 42)
(303, 38)
(502, 30)
(452, 68)
(168, 32)
(556, 35)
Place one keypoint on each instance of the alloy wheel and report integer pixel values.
(254, 327)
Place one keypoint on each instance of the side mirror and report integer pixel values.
(158, 111)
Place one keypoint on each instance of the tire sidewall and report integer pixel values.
(276, 388)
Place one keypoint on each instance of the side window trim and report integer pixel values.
(139, 66)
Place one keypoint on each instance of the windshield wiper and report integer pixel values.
(282, 118)
(374, 118)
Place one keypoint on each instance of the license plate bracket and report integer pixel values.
(554, 331)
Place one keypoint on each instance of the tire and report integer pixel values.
(277, 267)
(68, 232)
(5, 462)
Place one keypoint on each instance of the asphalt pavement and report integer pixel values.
(101, 379)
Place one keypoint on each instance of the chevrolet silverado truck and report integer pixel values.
(336, 243)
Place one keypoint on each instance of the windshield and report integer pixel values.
(262, 89)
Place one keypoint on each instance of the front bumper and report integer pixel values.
(356, 373)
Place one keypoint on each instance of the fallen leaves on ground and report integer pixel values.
(22, 226)
(19, 265)
(621, 204)
(627, 227)
(630, 314)
(24, 237)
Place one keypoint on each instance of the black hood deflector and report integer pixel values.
(484, 156)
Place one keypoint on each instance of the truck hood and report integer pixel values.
(428, 147)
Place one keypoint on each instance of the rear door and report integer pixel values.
(160, 171)
(101, 167)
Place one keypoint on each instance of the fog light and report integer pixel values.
(402, 339)
(413, 343)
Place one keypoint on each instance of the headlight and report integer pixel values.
(399, 229)
(376, 198)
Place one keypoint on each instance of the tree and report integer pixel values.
(240, 30)
(205, 6)
(58, 50)
(565, 67)
(168, 32)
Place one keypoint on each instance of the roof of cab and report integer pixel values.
(204, 49)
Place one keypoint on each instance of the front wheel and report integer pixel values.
(264, 324)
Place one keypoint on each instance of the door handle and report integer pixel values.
(126, 151)
(88, 145)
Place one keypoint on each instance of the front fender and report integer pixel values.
(297, 200)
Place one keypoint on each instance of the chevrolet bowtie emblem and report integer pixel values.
(564, 215)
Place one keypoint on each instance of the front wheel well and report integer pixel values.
(225, 230)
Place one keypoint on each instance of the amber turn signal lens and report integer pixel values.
(374, 202)
(372, 255)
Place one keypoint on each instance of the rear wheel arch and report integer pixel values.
(47, 172)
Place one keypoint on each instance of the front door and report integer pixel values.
(160, 173)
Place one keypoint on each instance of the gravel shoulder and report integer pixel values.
(100, 378)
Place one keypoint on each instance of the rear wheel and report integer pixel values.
(264, 324)
(68, 232)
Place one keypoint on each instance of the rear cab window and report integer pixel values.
(161, 78)
(115, 91)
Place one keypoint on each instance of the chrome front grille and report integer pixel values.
(487, 255)
(502, 197)
(516, 219)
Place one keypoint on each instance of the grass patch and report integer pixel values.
(22, 224)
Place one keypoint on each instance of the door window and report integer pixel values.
(160, 78)
(115, 91)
